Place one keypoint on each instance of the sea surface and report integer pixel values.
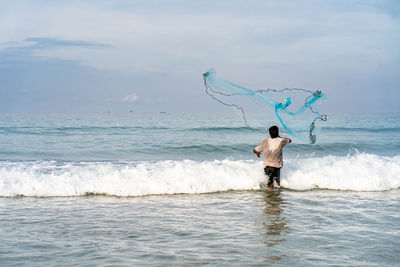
(161, 189)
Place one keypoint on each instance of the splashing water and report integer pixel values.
(360, 172)
(277, 106)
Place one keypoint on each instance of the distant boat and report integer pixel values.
(163, 112)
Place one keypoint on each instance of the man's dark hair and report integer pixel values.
(274, 131)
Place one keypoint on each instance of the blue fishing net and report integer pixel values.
(292, 108)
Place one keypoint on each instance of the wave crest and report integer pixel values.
(129, 179)
(361, 172)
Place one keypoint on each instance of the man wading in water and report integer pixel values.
(273, 161)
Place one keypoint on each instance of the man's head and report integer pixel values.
(274, 131)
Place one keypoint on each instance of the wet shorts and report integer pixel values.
(273, 174)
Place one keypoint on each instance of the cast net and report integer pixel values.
(294, 109)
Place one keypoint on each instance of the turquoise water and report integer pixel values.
(173, 189)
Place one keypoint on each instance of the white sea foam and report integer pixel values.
(362, 172)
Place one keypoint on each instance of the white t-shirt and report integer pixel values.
(272, 149)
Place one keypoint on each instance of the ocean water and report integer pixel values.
(132, 189)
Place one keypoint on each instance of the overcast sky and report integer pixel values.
(95, 56)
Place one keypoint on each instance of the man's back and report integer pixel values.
(272, 149)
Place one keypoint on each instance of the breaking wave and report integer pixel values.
(361, 172)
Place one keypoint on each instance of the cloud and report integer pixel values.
(46, 43)
(126, 99)
(160, 48)
(33, 83)
(32, 45)
(130, 98)
(235, 35)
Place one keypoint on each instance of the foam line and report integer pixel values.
(362, 172)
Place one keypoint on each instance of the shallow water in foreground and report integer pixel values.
(286, 228)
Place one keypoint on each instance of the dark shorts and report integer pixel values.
(273, 174)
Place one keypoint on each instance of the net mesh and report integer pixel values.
(295, 109)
